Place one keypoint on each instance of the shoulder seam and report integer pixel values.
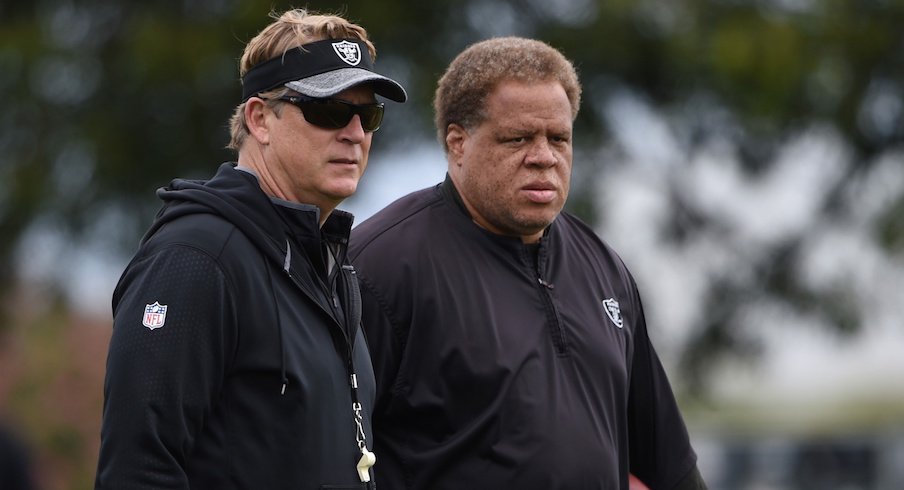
(437, 198)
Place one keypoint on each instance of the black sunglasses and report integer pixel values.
(336, 114)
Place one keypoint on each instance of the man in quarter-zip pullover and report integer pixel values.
(236, 360)
(509, 342)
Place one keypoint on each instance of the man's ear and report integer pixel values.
(256, 119)
(456, 136)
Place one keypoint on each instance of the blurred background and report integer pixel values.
(746, 158)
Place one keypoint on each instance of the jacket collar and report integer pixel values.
(237, 197)
(304, 219)
(451, 195)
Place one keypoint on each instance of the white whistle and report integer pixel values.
(367, 460)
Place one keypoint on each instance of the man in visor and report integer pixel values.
(237, 360)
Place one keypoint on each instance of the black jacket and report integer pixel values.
(506, 366)
(243, 381)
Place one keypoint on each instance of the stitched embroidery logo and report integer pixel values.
(613, 312)
(154, 315)
(348, 52)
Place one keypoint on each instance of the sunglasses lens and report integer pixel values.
(332, 114)
(371, 117)
(329, 115)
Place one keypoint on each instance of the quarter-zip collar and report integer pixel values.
(451, 195)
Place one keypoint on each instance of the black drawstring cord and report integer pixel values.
(282, 339)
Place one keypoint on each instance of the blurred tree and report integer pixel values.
(108, 100)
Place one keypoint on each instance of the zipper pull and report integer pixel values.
(545, 284)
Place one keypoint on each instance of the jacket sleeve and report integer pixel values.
(660, 450)
(164, 371)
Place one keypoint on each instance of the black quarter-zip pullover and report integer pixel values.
(505, 365)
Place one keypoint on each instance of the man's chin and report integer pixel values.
(537, 221)
(343, 191)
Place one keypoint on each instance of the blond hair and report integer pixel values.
(462, 91)
(289, 30)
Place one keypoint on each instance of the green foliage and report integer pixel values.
(891, 229)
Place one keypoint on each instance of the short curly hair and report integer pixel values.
(462, 90)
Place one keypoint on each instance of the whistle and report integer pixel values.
(367, 460)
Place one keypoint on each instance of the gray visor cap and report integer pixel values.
(332, 82)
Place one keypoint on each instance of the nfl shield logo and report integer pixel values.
(348, 52)
(154, 315)
(613, 312)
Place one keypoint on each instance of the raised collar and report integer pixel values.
(450, 194)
